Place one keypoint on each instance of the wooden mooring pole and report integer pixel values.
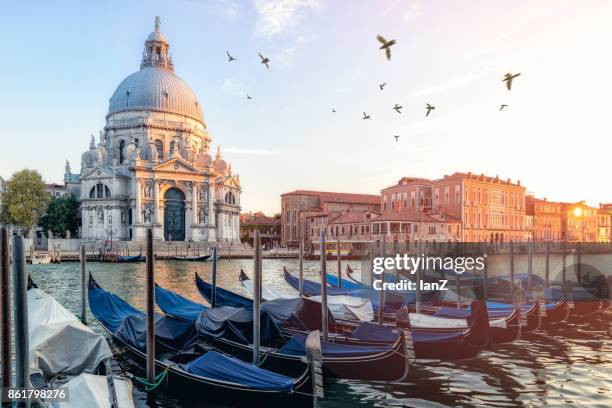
(150, 308)
(256, 297)
(5, 309)
(83, 256)
(323, 257)
(20, 299)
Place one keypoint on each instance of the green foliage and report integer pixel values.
(62, 215)
(25, 199)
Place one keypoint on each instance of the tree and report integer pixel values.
(25, 200)
(62, 215)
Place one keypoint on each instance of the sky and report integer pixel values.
(62, 61)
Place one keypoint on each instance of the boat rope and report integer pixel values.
(265, 356)
(159, 379)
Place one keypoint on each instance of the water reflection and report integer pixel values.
(567, 363)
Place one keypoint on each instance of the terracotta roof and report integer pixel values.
(406, 181)
(478, 177)
(334, 197)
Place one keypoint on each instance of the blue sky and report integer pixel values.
(62, 61)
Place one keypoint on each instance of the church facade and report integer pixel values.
(151, 166)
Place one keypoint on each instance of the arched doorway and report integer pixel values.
(174, 215)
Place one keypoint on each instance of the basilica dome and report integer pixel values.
(156, 87)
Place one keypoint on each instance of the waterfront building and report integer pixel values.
(546, 218)
(579, 222)
(605, 222)
(268, 227)
(487, 208)
(299, 207)
(152, 167)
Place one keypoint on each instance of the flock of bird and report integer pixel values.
(386, 47)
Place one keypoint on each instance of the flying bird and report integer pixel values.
(397, 108)
(381, 86)
(386, 45)
(429, 109)
(508, 79)
(502, 106)
(396, 137)
(264, 60)
(249, 96)
(230, 58)
(365, 116)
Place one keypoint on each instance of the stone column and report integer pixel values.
(155, 202)
(138, 214)
(194, 202)
(212, 236)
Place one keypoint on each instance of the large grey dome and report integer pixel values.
(157, 89)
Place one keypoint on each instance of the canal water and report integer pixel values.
(568, 364)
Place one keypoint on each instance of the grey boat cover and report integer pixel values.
(61, 344)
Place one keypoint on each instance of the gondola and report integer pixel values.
(129, 258)
(230, 329)
(201, 258)
(548, 311)
(428, 344)
(190, 364)
(66, 353)
(393, 301)
(341, 306)
(504, 324)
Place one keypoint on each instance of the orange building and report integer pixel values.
(605, 223)
(486, 208)
(546, 218)
(579, 222)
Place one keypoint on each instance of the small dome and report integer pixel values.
(154, 88)
(157, 36)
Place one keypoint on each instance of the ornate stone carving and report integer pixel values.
(148, 189)
(124, 216)
(147, 212)
(202, 214)
(100, 214)
(204, 192)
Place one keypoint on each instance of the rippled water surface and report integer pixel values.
(567, 364)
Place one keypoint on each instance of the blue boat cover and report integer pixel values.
(129, 324)
(176, 305)
(171, 333)
(223, 297)
(109, 309)
(236, 324)
(374, 332)
(220, 367)
(346, 284)
(296, 346)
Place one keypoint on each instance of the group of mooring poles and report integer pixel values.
(20, 340)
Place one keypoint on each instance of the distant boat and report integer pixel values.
(192, 258)
(130, 258)
(41, 259)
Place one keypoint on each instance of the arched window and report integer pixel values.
(171, 148)
(159, 146)
(121, 148)
(230, 198)
(99, 191)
